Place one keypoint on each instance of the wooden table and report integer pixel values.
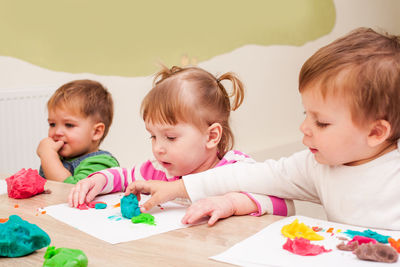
(183, 247)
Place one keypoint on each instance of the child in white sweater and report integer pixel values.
(350, 91)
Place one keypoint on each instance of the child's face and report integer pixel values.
(180, 148)
(74, 130)
(329, 131)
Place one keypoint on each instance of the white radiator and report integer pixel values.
(23, 123)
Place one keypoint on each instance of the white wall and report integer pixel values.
(267, 123)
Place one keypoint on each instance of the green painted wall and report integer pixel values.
(130, 37)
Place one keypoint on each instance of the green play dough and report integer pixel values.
(19, 238)
(144, 218)
(66, 257)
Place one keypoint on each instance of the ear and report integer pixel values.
(380, 131)
(98, 131)
(214, 133)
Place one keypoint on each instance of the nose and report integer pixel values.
(158, 147)
(305, 129)
(56, 131)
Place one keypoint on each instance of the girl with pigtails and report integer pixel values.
(187, 116)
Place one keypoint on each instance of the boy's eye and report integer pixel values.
(171, 138)
(52, 124)
(69, 125)
(322, 124)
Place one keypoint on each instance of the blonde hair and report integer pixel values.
(195, 96)
(89, 98)
(364, 66)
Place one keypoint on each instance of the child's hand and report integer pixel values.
(86, 190)
(215, 207)
(160, 192)
(48, 145)
(219, 207)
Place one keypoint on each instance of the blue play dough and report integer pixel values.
(130, 206)
(19, 238)
(100, 206)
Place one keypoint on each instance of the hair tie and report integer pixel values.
(218, 80)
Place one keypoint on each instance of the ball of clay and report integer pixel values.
(25, 183)
(376, 252)
(19, 238)
(64, 257)
(130, 206)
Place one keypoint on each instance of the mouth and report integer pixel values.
(313, 150)
(165, 164)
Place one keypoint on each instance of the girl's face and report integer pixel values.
(329, 131)
(181, 148)
(74, 130)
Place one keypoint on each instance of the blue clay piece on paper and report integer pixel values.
(130, 206)
(100, 206)
(19, 238)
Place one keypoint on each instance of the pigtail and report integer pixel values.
(237, 89)
(165, 73)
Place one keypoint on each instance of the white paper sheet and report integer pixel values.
(3, 187)
(109, 225)
(265, 247)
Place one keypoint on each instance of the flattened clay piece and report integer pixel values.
(83, 206)
(296, 229)
(302, 246)
(376, 252)
(130, 206)
(362, 240)
(94, 203)
(100, 206)
(395, 244)
(25, 183)
(19, 238)
(144, 218)
(64, 257)
(369, 233)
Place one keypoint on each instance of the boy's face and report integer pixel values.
(329, 131)
(74, 130)
(180, 149)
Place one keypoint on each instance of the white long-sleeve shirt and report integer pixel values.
(367, 195)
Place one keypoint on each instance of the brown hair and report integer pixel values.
(195, 96)
(88, 97)
(364, 66)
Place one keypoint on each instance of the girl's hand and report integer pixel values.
(160, 191)
(86, 190)
(48, 146)
(214, 207)
(219, 207)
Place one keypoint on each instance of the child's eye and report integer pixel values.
(322, 124)
(69, 125)
(52, 124)
(171, 138)
(153, 137)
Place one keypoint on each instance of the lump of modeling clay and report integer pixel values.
(376, 252)
(395, 244)
(144, 218)
(362, 240)
(64, 257)
(25, 183)
(369, 233)
(19, 238)
(296, 229)
(302, 246)
(94, 203)
(100, 206)
(130, 206)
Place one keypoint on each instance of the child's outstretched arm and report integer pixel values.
(86, 190)
(50, 160)
(160, 191)
(219, 207)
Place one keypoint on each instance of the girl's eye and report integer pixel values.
(322, 124)
(153, 137)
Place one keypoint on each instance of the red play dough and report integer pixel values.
(25, 183)
(302, 246)
(83, 206)
(93, 204)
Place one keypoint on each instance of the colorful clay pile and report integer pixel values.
(25, 183)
